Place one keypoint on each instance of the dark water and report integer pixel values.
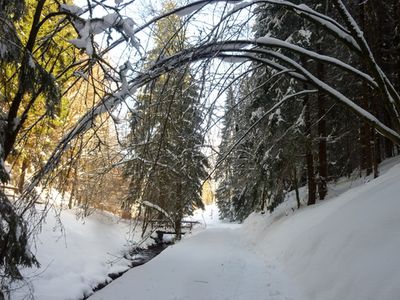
(140, 257)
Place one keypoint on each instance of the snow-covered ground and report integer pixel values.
(343, 248)
(76, 255)
(214, 264)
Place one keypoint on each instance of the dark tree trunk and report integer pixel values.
(263, 199)
(178, 214)
(321, 99)
(178, 229)
(375, 153)
(296, 187)
(388, 144)
(365, 129)
(309, 155)
(365, 144)
(322, 152)
(146, 218)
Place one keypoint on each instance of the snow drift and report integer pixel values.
(344, 248)
(76, 255)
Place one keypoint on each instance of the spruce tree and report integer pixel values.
(224, 172)
(167, 165)
(14, 246)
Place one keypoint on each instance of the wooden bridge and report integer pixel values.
(164, 227)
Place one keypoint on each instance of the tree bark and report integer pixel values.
(309, 155)
(21, 181)
(296, 187)
(322, 149)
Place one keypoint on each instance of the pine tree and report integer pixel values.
(167, 165)
(224, 172)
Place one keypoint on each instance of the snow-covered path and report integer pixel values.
(213, 264)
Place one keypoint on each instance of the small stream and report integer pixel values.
(142, 256)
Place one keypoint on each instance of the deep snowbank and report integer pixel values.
(77, 256)
(344, 248)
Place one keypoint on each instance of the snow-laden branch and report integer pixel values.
(252, 50)
(158, 208)
(236, 57)
(265, 115)
(145, 161)
(329, 24)
(276, 43)
(384, 83)
(210, 51)
(336, 95)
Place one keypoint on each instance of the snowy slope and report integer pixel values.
(76, 257)
(344, 248)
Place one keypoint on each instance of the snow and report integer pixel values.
(344, 248)
(198, 5)
(73, 9)
(273, 42)
(3, 50)
(189, 9)
(234, 59)
(306, 34)
(76, 257)
(328, 23)
(88, 28)
(111, 19)
(379, 126)
(156, 207)
(31, 62)
(213, 264)
(208, 218)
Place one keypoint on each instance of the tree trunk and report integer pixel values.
(296, 187)
(178, 213)
(21, 181)
(178, 229)
(73, 188)
(365, 144)
(263, 199)
(375, 153)
(309, 155)
(322, 152)
(321, 99)
(145, 223)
